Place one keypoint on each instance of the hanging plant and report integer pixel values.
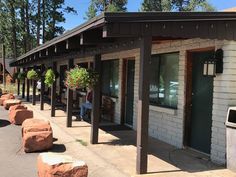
(49, 77)
(32, 74)
(78, 78)
(15, 76)
(21, 76)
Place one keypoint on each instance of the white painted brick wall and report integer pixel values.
(224, 96)
(167, 124)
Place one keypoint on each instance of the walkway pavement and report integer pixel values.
(117, 151)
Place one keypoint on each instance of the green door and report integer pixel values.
(129, 92)
(201, 113)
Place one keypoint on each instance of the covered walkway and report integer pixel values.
(117, 146)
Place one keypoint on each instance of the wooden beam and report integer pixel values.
(73, 43)
(97, 64)
(42, 87)
(27, 88)
(18, 83)
(143, 105)
(224, 29)
(53, 92)
(34, 90)
(94, 37)
(69, 106)
(23, 85)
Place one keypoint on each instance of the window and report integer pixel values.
(164, 80)
(110, 83)
(83, 65)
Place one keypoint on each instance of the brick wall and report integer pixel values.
(168, 124)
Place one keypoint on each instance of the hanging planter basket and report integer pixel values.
(15, 76)
(50, 77)
(21, 76)
(80, 78)
(32, 74)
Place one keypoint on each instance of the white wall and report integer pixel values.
(168, 124)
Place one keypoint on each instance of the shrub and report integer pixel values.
(78, 78)
(49, 77)
(32, 74)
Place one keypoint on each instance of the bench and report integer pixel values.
(108, 108)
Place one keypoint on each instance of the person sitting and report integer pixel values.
(87, 104)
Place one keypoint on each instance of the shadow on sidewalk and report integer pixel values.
(58, 148)
(4, 123)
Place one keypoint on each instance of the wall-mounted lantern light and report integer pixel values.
(209, 68)
(214, 65)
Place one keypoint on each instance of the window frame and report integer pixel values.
(104, 94)
(158, 81)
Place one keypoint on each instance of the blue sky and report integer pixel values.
(133, 5)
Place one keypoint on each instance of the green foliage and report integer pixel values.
(32, 74)
(80, 78)
(49, 77)
(15, 75)
(98, 6)
(21, 76)
(19, 21)
(92, 11)
(176, 5)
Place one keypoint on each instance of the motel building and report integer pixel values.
(171, 76)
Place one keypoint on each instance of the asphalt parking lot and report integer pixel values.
(14, 162)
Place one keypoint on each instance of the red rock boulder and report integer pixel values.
(52, 165)
(37, 135)
(6, 97)
(19, 115)
(11, 102)
(18, 106)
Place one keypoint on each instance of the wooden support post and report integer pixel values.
(143, 106)
(27, 89)
(34, 90)
(4, 66)
(53, 91)
(42, 87)
(69, 106)
(23, 85)
(96, 102)
(18, 83)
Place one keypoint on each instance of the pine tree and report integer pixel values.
(98, 6)
(176, 5)
(156, 5)
(25, 23)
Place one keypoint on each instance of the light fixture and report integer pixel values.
(214, 65)
(209, 68)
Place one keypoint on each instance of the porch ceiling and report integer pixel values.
(115, 28)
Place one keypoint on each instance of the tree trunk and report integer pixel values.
(23, 20)
(27, 25)
(4, 67)
(38, 23)
(43, 20)
(13, 20)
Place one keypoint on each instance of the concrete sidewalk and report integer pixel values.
(115, 155)
(67, 144)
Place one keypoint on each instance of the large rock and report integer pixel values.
(6, 97)
(11, 102)
(37, 135)
(55, 165)
(19, 115)
(18, 106)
